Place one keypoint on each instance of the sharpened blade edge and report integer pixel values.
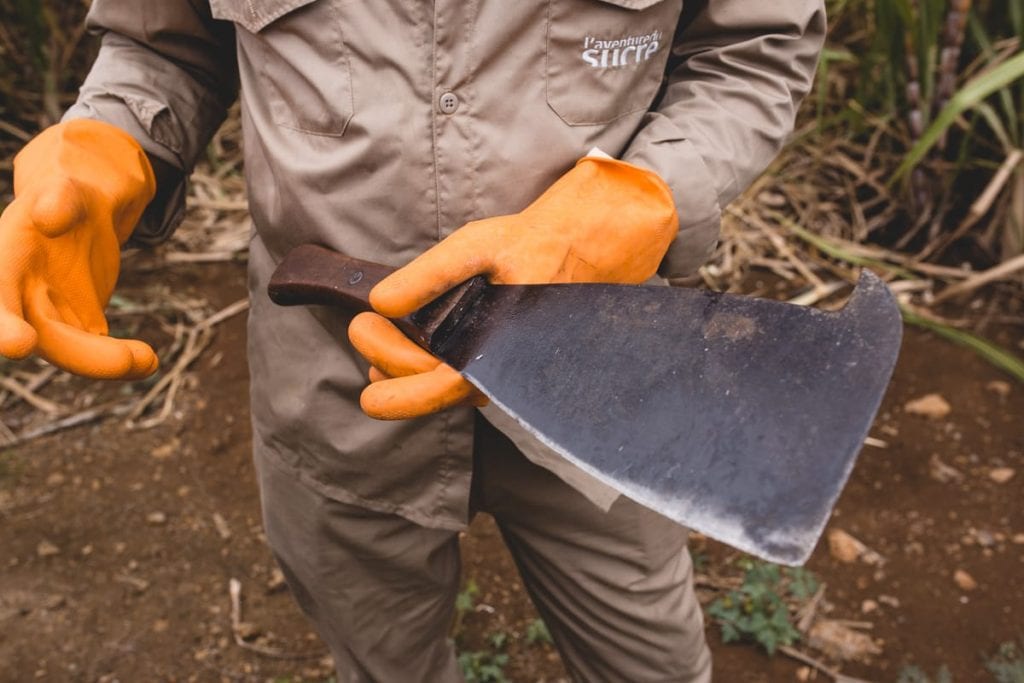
(711, 523)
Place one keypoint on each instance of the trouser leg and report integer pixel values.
(379, 589)
(615, 588)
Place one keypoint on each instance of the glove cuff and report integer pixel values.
(633, 174)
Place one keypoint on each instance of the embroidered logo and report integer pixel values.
(613, 54)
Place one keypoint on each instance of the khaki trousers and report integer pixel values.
(615, 589)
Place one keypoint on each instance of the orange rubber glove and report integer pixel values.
(406, 380)
(603, 221)
(79, 189)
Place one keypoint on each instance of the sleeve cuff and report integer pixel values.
(167, 209)
(121, 90)
(682, 168)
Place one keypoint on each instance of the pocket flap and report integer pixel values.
(633, 4)
(255, 15)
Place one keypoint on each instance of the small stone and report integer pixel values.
(931, 406)
(1001, 475)
(1018, 539)
(165, 451)
(276, 581)
(985, 538)
(999, 388)
(889, 601)
(964, 580)
(55, 479)
(47, 549)
(161, 625)
(914, 548)
(156, 518)
(868, 606)
(843, 546)
(138, 586)
(803, 674)
(943, 473)
(223, 530)
(54, 602)
(247, 630)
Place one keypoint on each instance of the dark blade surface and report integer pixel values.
(738, 417)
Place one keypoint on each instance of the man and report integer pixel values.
(383, 129)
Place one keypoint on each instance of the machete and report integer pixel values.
(738, 417)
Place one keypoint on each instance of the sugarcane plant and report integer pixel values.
(44, 52)
(947, 78)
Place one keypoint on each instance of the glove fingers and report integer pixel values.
(92, 355)
(80, 352)
(476, 399)
(455, 259)
(144, 359)
(386, 348)
(17, 338)
(416, 395)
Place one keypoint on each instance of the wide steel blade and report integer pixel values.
(738, 417)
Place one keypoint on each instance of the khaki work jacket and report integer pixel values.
(379, 127)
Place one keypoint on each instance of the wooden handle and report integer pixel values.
(314, 275)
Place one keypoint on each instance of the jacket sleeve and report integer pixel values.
(737, 74)
(166, 73)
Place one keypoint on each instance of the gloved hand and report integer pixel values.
(79, 189)
(406, 381)
(603, 221)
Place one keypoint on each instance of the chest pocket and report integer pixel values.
(294, 53)
(606, 58)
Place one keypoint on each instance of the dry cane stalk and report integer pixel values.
(1002, 271)
(979, 208)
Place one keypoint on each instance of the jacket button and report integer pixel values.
(448, 103)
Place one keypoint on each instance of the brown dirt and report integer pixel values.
(138, 587)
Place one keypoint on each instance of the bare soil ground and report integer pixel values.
(119, 545)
